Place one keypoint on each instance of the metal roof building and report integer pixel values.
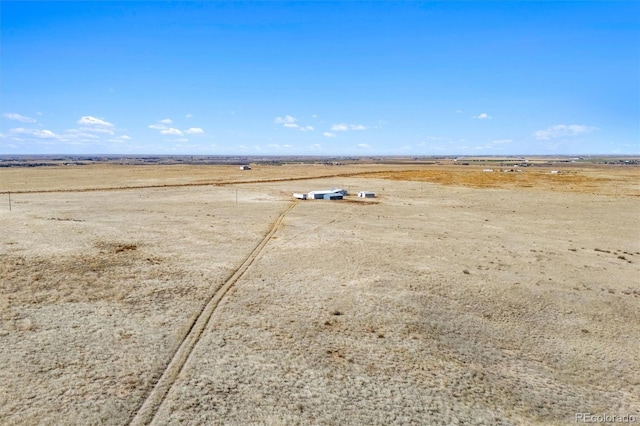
(333, 196)
(366, 194)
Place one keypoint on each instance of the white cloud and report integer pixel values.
(188, 116)
(182, 140)
(364, 145)
(290, 122)
(171, 131)
(194, 131)
(88, 120)
(277, 146)
(329, 135)
(166, 121)
(120, 139)
(342, 127)
(97, 130)
(501, 141)
(287, 119)
(483, 116)
(79, 133)
(45, 134)
(17, 117)
(562, 130)
(157, 126)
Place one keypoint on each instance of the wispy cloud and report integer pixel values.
(79, 134)
(18, 117)
(364, 145)
(97, 130)
(194, 131)
(120, 139)
(501, 141)
(342, 127)
(483, 116)
(45, 134)
(89, 120)
(165, 121)
(157, 126)
(278, 147)
(291, 122)
(188, 115)
(329, 135)
(287, 119)
(171, 131)
(563, 130)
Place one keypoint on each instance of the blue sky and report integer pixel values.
(320, 78)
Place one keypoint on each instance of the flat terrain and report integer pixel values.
(207, 295)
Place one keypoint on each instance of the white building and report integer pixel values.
(318, 195)
(366, 194)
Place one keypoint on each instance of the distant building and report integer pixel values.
(333, 196)
(300, 196)
(366, 194)
(319, 195)
(245, 168)
(340, 191)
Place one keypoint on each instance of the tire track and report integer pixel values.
(148, 409)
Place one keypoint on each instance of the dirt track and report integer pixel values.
(435, 303)
(153, 401)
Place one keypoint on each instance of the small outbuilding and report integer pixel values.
(300, 196)
(366, 194)
(245, 167)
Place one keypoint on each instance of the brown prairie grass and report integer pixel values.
(573, 180)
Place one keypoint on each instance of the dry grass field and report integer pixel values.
(207, 295)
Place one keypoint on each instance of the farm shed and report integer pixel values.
(333, 196)
(366, 194)
(339, 191)
(300, 196)
(318, 195)
(245, 168)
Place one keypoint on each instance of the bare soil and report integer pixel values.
(456, 296)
